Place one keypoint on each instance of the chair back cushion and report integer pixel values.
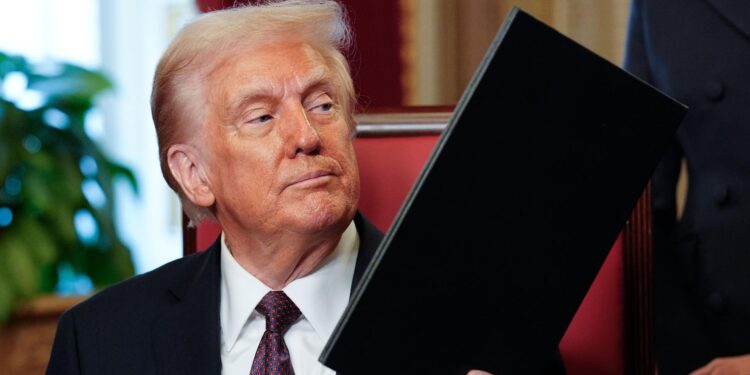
(593, 343)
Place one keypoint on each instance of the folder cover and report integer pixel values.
(497, 243)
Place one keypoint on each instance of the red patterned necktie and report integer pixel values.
(272, 356)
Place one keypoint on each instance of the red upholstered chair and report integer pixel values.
(610, 333)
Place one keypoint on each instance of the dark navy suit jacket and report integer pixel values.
(166, 321)
(698, 51)
(162, 322)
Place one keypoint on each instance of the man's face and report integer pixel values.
(279, 150)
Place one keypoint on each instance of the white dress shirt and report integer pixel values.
(321, 296)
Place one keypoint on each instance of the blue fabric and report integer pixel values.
(698, 51)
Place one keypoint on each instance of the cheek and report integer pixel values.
(355, 185)
(351, 169)
(244, 167)
(342, 149)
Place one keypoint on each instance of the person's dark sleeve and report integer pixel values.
(636, 58)
(664, 180)
(64, 357)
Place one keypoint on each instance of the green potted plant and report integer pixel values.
(56, 193)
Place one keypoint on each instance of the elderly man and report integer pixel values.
(253, 111)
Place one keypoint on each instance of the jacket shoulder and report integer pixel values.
(145, 292)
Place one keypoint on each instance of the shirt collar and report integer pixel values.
(321, 296)
(240, 293)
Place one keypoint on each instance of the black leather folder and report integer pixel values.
(514, 213)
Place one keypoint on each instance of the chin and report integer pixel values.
(327, 217)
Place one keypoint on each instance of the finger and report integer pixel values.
(478, 372)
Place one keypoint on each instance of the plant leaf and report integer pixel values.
(72, 85)
(45, 159)
(120, 170)
(20, 267)
(43, 250)
(6, 298)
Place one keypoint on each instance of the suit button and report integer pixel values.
(722, 196)
(715, 301)
(714, 90)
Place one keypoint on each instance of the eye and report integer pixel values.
(325, 107)
(259, 119)
(264, 118)
(322, 104)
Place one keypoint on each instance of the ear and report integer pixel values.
(188, 169)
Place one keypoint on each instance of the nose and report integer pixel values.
(300, 136)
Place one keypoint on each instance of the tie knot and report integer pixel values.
(279, 310)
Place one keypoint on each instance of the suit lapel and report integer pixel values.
(369, 240)
(186, 337)
(736, 12)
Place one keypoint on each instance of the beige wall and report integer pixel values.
(446, 39)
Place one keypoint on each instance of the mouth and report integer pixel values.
(311, 179)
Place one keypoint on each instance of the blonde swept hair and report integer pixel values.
(179, 99)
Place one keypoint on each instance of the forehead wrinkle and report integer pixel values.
(317, 76)
(310, 73)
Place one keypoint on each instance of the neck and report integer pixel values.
(286, 258)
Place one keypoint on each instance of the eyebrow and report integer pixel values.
(264, 90)
(317, 79)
